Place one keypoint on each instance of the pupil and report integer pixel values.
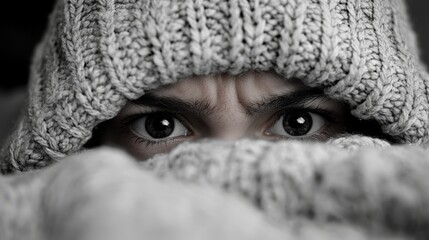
(297, 123)
(159, 125)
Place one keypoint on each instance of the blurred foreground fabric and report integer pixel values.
(222, 190)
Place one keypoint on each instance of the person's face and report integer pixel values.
(251, 105)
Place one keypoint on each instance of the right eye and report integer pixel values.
(297, 123)
(158, 126)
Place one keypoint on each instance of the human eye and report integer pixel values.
(300, 124)
(158, 127)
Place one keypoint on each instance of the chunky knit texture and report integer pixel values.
(96, 55)
(223, 190)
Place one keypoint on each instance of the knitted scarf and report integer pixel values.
(222, 190)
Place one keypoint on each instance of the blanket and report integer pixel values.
(249, 189)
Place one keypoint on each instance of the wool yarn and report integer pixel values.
(96, 55)
(377, 187)
(248, 189)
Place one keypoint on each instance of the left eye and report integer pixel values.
(297, 123)
(158, 126)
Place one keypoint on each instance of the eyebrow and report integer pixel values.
(204, 107)
(297, 98)
(200, 108)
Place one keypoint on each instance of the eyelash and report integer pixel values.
(148, 142)
(326, 114)
(125, 126)
(125, 123)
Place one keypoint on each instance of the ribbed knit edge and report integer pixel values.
(98, 54)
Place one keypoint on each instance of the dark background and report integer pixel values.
(23, 22)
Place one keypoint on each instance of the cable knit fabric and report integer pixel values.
(224, 190)
(96, 55)
(99, 54)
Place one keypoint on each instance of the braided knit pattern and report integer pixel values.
(96, 55)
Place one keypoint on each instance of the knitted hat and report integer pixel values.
(96, 55)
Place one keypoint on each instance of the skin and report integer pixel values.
(224, 107)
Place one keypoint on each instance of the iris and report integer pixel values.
(297, 123)
(159, 125)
